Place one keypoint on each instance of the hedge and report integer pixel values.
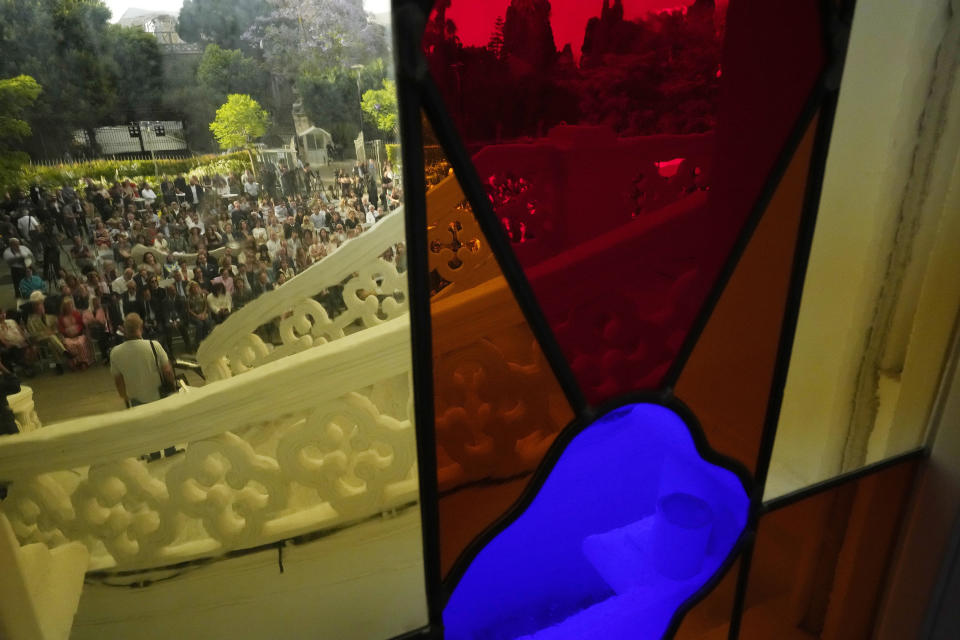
(139, 171)
(393, 155)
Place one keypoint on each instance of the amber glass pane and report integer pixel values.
(820, 565)
(498, 406)
(622, 150)
(726, 381)
(709, 619)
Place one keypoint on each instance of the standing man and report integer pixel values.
(194, 192)
(28, 225)
(139, 366)
(17, 258)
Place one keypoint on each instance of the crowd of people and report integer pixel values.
(183, 254)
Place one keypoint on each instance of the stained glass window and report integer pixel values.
(646, 180)
(622, 222)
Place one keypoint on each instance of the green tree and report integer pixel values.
(316, 35)
(330, 101)
(190, 103)
(63, 44)
(226, 71)
(137, 74)
(16, 95)
(239, 121)
(380, 105)
(196, 88)
(221, 22)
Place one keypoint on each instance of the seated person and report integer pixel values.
(81, 254)
(41, 328)
(73, 335)
(100, 326)
(219, 302)
(15, 347)
(31, 282)
(198, 315)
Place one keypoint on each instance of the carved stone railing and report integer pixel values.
(25, 413)
(319, 440)
(557, 207)
(459, 253)
(313, 438)
(372, 292)
(497, 405)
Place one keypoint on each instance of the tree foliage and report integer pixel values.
(63, 44)
(312, 35)
(196, 88)
(380, 105)
(16, 95)
(135, 65)
(220, 22)
(226, 71)
(239, 121)
(331, 101)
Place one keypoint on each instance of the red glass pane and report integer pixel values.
(819, 567)
(726, 381)
(498, 406)
(622, 151)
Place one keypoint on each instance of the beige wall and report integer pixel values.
(883, 282)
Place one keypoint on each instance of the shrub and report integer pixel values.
(108, 171)
(393, 155)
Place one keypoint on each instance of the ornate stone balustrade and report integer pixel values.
(652, 172)
(373, 292)
(313, 438)
(21, 403)
(459, 253)
(318, 440)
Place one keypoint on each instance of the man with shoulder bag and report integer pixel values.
(140, 368)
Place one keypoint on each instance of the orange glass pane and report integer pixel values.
(709, 619)
(726, 381)
(498, 406)
(819, 567)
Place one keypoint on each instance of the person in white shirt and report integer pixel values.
(371, 218)
(138, 366)
(119, 286)
(219, 302)
(250, 186)
(159, 242)
(148, 194)
(260, 233)
(27, 224)
(273, 245)
(18, 258)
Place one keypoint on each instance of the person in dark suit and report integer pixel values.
(288, 179)
(169, 190)
(154, 322)
(174, 311)
(180, 183)
(194, 191)
(130, 301)
(262, 285)
(209, 268)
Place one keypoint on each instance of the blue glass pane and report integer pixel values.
(629, 524)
